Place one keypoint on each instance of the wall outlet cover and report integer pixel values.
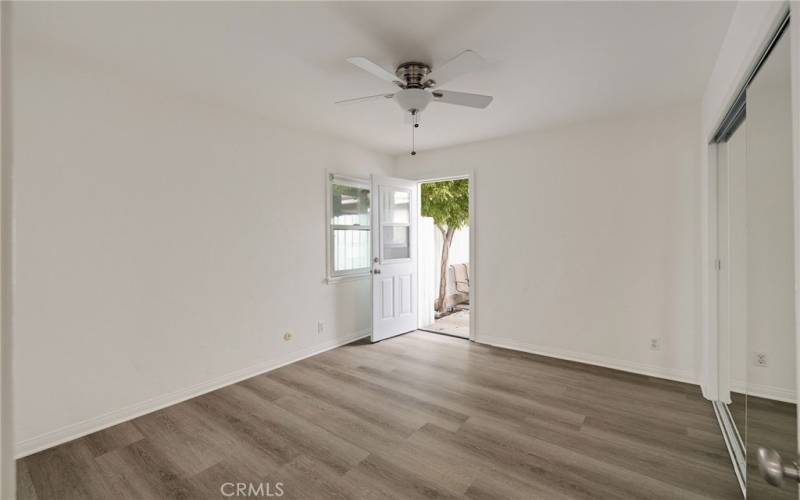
(655, 344)
(761, 359)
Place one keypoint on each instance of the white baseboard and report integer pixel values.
(765, 391)
(94, 424)
(707, 393)
(592, 359)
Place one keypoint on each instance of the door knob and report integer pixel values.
(376, 271)
(772, 468)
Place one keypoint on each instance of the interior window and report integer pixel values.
(349, 227)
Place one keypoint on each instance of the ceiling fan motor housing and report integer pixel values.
(414, 74)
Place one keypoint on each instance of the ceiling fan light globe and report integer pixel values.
(416, 99)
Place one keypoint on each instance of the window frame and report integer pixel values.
(350, 274)
(383, 216)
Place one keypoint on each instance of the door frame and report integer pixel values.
(7, 440)
(721, 222)
(473, 267)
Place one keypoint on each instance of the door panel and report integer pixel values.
(404, 286)
(731, 247)
(387, 298)
(394, 259)
(769, 280)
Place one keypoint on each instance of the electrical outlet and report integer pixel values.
(320, 327)
(655, 344)
(287, 336)
(761, 359)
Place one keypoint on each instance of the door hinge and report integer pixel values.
(718, 265)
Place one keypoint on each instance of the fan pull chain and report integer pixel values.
(414, 125)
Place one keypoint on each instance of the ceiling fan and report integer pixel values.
(420, 85)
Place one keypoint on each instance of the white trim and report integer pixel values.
(443, 178)
(351, 227)
(94, 424)
(709, 383)
(473, 260)
(349, 180)
(722, 266)
(327, 226)
(8, 481)
(593, 359)
(345, 278)
(726, 437)
(765, 391)
(794, 33)
(738, 436)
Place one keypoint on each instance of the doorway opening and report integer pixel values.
(445, 273)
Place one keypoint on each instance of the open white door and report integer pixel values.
(394, 257)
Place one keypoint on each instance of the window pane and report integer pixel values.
(395, 242)
(397, 206)
(350, 205)
(350, 249)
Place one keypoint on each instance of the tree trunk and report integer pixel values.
(447, 236)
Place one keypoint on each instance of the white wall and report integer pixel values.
(459, 248)
(428, 272)
(164, 246)
(587, 239)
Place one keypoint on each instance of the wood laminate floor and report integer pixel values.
(772, 424)
(418, 416)
(769, 423)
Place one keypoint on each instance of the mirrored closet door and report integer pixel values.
(756, 283)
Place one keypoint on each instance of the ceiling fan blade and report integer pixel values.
(365, 99)
(462, 98)
(465, 62)
(374, 69)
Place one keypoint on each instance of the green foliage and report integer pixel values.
(447, 202)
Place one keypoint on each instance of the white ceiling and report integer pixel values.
(550, 63)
